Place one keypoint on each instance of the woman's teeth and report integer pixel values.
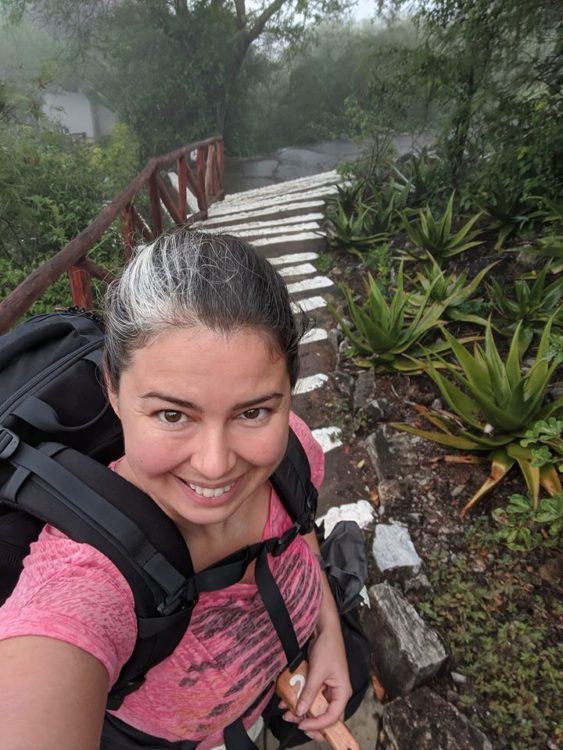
(206, 492)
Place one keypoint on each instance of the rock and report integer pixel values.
(394, 552)
(416, 518)
(392, 452)
(437, 404)
(393, 492)
(361, 512)
(363, 389)
(459, 679)
(406, 651)
(417, 584)
(378, 410)
(424, 721)
(456, 492)
(334, 338)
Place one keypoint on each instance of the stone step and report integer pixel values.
(271, 213)
(308, 304)
(301, 270)
(251, 235)
(328, 437)
(282, 260)
(223, 209)
(288, 186)
(315, 334)
(286, 243)
(310, 383)
(308, 285)
(288, 221)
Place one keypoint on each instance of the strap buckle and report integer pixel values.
(283, 542)
(9, 443)
(183, 598)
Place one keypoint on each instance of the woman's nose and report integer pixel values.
(212, 456)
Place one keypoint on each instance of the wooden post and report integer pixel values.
(154, 197)
(168, 201)
(142, 225)
(209, 174)
(220, 167)
(182, 187)
(80, 287)
(128, 231)
(202, 195)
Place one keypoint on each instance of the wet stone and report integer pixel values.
(394, 552)
(425, 721)
(406, 651)
(378, 410)
(393, 453)
(363, 389)
(393, 493)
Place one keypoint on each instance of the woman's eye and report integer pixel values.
(169, 416)
(255, 415)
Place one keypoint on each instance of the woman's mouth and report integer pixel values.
(208, 496)
(207, 492)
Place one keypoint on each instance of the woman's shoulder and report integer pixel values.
(313, 450)
(72, 592)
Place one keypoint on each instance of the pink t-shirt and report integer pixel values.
(229, 654)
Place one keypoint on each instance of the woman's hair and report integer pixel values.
(189, 278)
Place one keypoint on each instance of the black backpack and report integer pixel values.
(57, 434)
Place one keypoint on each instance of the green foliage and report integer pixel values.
(385, 334)
(523, 527)
(495, 402)
(500, 622)
(453, 290)
(435, 237)
(532, 306)
(546, 442)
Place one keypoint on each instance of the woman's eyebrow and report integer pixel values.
(190, 405)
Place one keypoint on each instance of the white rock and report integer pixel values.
(362, 512)
(393, 548)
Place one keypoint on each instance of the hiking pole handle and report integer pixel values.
(289, 686)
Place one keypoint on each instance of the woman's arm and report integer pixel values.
(52, 695)
(328, 667)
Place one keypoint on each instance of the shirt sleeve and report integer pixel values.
(313, 450)
(73, 593)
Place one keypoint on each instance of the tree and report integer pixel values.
(172, 69)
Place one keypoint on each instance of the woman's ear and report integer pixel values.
(111, 394)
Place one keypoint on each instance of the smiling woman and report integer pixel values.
(201, 356)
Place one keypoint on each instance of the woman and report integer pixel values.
(201, 356)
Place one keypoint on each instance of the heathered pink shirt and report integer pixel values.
(229, 654)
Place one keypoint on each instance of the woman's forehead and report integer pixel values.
(200, 358)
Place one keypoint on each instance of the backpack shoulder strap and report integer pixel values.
(292, 482)
(93, 504)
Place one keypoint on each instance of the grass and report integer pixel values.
(500, 621)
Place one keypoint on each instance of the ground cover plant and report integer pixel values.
(496, 582)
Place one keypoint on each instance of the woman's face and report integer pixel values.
(205, 419)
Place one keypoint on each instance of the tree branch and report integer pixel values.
(241, 14)
(254, 32)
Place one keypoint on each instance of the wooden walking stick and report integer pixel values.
(289, 686)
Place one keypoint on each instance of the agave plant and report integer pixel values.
(532, 305)
(497, 402)
(385, 335)
(435, 237)
(351, 231)
(453, 290)
(550, 247)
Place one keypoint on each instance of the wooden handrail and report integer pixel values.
(72, 257)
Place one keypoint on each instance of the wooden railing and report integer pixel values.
(203, 176)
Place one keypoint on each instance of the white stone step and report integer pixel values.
(221, 208)
(282, 260)
(289, 186)
(307, 285)
(285, 243)
(308, 305)
(315, 334)
(273, 231)
(290, 220)
(328, 437)
(310, 383)
(301, 270)
(272, 213)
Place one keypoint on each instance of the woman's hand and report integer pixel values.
(328, 668)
